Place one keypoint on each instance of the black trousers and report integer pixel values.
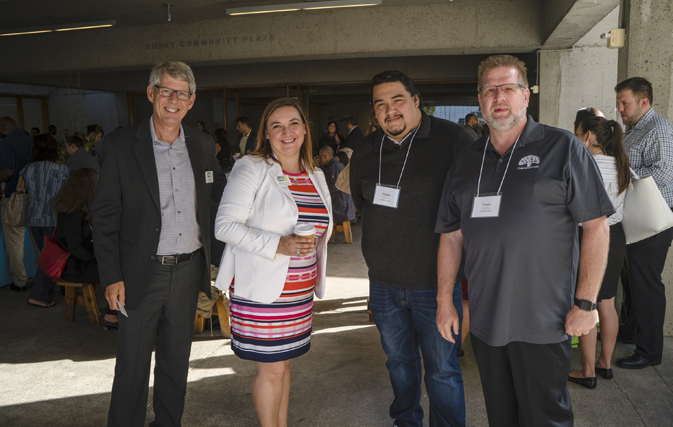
(646, 260)
(525, 384)
(165, 318)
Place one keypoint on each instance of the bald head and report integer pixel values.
(7, 125)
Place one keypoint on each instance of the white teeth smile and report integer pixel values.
(288, 141)
(171, 110)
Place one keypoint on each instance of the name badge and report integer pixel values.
(209, 177)
(486, 206)
(283, 180)
(386, 196)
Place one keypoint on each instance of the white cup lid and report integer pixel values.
(303, 229)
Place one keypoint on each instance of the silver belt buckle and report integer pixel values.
(172, 260)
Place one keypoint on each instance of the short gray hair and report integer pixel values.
(177, 70)
(326, 151)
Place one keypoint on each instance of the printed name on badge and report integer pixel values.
(386, 196)
(486, 206)
(209, 177)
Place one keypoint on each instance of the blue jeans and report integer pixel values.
(406, 320)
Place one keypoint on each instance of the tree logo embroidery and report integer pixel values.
(529, 162)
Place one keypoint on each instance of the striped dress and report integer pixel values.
(282, 330)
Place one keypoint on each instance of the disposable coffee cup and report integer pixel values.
(305, 231)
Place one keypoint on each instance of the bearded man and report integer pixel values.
(513, 199)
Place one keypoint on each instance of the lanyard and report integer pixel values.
(405, 158)
(511, 154)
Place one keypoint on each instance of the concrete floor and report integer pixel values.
(58, 373)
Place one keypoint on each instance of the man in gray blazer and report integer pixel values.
(151, 227)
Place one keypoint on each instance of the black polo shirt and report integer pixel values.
(400, 245)
(521, 266)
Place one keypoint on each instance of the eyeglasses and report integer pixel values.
(168, 92)
(507, 89)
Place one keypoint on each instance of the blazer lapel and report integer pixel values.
(145, 154)
(275, 171)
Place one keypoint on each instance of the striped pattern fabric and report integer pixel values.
(282, 330)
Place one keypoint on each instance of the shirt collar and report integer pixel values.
(533, 131)
(423, 131)
(352, 129)
(180, 139)
(644, 119)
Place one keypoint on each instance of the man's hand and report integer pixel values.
(111, 293)
(448, 321)
(580, 322)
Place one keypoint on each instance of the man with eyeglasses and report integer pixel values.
(151, 227)
(513, 199)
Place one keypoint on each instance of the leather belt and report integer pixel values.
(174, 259)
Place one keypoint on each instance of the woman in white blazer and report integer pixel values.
(271, 274)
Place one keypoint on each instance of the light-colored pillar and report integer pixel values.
(583, 76)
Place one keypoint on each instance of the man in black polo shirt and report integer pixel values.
(514, 199)
(397, 175)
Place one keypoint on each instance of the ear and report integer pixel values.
(526, 95)
(644, 103)
(417, 101)
(191, 101)
(150, 93)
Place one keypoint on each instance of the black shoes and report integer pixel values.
(107, 325)
(605, 373)
(589, 383)
(636, 361)
(17, 288)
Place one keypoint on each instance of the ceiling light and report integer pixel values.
(290, 7)
(60, 27)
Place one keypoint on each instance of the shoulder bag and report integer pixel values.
(646, 212)
(16, 213)
(53, 257)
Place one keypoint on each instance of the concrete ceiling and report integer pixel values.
(128, 13)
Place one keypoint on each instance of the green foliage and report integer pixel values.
(430, 111)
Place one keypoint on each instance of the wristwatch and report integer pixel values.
(585, 305)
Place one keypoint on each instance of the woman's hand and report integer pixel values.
(294, 246)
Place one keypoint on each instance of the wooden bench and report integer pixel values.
(345, 228)
(220, 310)
(86, 298)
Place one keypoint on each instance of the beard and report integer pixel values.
(399, 131)
(503, 125)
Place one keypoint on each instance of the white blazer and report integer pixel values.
(254, 213)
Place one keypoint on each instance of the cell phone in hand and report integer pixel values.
(122, 309)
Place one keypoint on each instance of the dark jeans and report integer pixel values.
(406, 320)
(525, 384)
(165, 318)
(43, 286)
(647, 259)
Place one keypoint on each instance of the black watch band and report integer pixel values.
(585, 305)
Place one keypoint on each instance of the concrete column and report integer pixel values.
(649, 53)
(582, 76)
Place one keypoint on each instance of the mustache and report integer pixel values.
(499, 105)
(393, 117)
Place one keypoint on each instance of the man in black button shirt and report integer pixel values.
(513, 200)
(397, 175)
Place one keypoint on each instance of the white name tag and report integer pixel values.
(209, 177)
(386, 196)
(283, 180)
(486, 206)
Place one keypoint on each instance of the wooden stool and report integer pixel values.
(345, 228)
(87, 298)
(220, 310)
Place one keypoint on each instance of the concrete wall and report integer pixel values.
(430, 29)
(583, 76)
(649, 53)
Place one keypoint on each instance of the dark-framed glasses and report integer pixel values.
(507, 89)
(167, 92)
